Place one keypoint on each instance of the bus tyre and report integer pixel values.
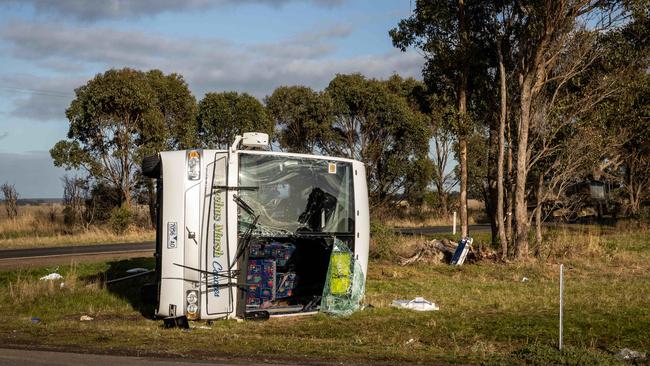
(151, 166)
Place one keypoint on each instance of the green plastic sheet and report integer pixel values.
(345, 285)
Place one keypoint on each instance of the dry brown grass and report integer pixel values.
(408, 222)
(42, 225)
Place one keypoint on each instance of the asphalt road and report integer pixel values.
(16, 357)
(85, 250)
(76, 250)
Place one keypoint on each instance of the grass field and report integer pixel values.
(487, 314)
(43, 226)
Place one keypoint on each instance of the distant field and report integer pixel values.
(488, 312)
(42, 225)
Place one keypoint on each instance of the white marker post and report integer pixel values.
(561, 302)
(454, 232)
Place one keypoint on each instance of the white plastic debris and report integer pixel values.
(417, 304)
(52, 277)
(525, 279)
(202, 327)
(62, 285)
(136, 270)
(627, 354)
(86, 318)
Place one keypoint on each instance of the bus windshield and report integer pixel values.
(295, 195)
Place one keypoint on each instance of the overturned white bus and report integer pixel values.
(243, 231)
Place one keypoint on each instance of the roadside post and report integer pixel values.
(561, 303)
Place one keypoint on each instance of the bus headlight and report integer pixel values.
(193, 165)
(192, 297)
(192, 308)
(192, 311)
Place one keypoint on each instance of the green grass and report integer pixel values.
(487, 314)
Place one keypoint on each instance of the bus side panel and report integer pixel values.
(217, 296)
(362, 216)
(232, 174)
(173, 237)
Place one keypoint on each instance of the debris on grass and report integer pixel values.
(417, 304)
(52, 277)
(86, 318)
(461, 251)
(36, 320)
(627, 354)
(442, 251)
(176, 322)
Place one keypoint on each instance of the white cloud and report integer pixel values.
(39, 98)
(89, 11)
(208, 64)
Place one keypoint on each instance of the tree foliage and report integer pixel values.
(222, 116)
(120, 115)
(379, 127)
(303, 117)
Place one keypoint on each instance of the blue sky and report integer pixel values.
(48, 48)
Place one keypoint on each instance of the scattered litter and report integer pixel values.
(410, 341)
(418, 304)
(52, 277)
(445, 251)
(201, 327)
(176, 322)
(62, 285)
(525, 279)
(36, 320)
(136, 270)
(627, 354)
(86, 318)
(461, 251)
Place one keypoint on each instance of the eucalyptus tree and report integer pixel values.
(302, 115)
(374, 122)
(450, 33)
(222, 116)
(118, 117)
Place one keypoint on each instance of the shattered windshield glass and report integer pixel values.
(296, 195)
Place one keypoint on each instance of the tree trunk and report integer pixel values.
(509, 189)
(633, 192)
(462, 111)
(538, 216)
(501, 150)
(521, 209)
(443, 201)
(491, 201)
(463, 187)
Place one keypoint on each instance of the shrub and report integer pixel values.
(121, 218)
(383, 240)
